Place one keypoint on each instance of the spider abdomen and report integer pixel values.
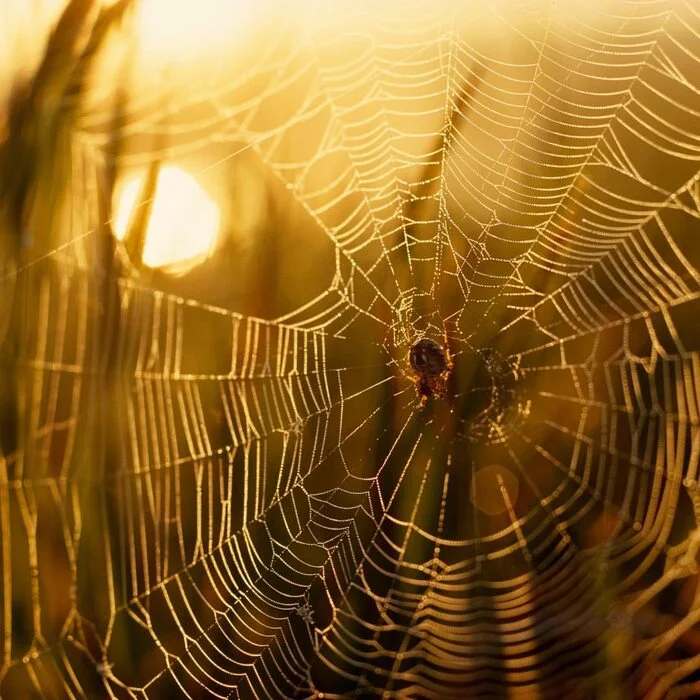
(431, 365)
(426, 356)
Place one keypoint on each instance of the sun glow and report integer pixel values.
(182, 28)
(184, 221)
(177, 30)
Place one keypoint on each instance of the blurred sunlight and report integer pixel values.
(184, 223)
(179, 29)
(170, 31)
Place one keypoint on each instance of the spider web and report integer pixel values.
(205, 502)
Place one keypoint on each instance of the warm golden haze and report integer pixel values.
(390, 387)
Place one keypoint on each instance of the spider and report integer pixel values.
(431, 365)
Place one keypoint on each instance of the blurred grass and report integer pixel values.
(39, 200)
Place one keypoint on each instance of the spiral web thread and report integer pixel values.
(211, 504)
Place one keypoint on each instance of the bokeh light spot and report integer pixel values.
(184, 222)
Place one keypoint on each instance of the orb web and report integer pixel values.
(241, 496)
